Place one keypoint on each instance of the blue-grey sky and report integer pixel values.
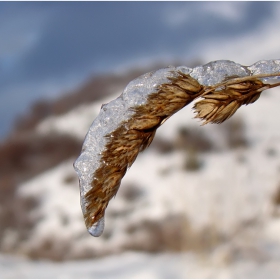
(47, 48)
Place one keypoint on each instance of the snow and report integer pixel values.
(129, 265)
(225, 195)
(120, 110)
(146, 266)
(211, 197)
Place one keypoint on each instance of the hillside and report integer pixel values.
(210, 191)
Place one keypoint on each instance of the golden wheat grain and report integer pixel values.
(134, 136)
(217, 103)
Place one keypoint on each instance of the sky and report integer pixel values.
(49, 48)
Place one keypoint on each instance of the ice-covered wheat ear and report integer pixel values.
(127, 125)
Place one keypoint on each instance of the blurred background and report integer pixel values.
(208, 205)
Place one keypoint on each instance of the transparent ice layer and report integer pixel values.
(109, 119)
(216, 71)
(111, 116)
(118, 111)
(266, 67)
(97, 229)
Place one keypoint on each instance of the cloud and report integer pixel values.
(20, 27)
(176, 15)
(263, 42)
(228, 11)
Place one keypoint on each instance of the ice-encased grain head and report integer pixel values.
(111, 117)
(114, 121)
(106, 122)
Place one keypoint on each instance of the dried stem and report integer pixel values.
(132, 137)
(218, 103)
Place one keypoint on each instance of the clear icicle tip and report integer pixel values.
(97, 228)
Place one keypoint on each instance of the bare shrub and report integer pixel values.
(69, 179)
(186, 139)
(172, 233)
(276, 197)
(22, 158)
(192, 161)
(131, 192)
(50, 248)
(162, 145)
(25, 156)
(235, 133)
(275, 200)
(193, 139)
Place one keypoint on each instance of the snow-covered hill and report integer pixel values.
(215, 200)
(225, 203)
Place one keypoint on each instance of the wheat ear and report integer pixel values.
(220, 102)
(127, 125)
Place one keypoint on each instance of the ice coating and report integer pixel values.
(120, 110)
(97, 228)
(217, 71)
(265, 67)
(110, 117)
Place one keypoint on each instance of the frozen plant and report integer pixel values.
(127, 125)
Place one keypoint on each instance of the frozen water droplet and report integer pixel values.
(97, 229)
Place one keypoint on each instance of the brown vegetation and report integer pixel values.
(218, 103)
(22, 158)
(172, 233)
(27, 154)
(133, 137)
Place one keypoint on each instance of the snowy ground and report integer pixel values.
(142, 265)
(230, 197)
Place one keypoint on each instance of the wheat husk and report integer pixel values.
(217, 104)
